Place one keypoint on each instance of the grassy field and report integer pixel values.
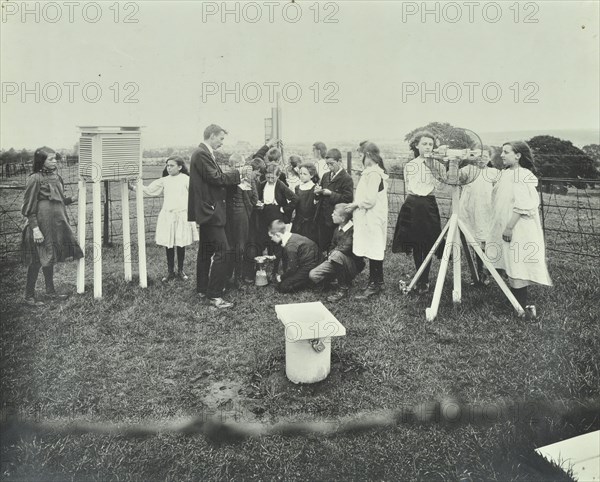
(159, 354)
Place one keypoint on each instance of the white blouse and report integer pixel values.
(419, 178)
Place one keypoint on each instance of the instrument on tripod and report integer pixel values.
(446, 165)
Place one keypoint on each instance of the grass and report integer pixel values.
(143, 355)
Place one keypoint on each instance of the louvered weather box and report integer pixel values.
(110, 153)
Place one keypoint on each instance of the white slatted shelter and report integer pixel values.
(110, 153)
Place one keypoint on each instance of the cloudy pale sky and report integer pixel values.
(390, 65)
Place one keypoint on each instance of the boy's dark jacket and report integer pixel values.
(300, 253)
(284, 197)
(342, 191)
(342, 241)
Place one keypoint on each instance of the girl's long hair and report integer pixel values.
(39, 158)
(526, 159)
(416, 138)
(180, 162)
(372, 150)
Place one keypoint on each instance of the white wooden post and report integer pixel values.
(126, 229)
(455, 241)
(141, 232)
(431, 312)
(97, 223)
(81, 215)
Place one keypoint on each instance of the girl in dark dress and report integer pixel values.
(47, 237)
(241, 200)
(304, 221)
(418, 225)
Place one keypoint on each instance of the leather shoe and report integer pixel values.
(338, 296)
(31, 301)
(56, 296)
(371, 290)
(220, 303)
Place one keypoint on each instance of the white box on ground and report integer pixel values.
(308, 331)
(580, 454)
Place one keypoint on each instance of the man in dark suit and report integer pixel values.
(206, 206)
(336, 187)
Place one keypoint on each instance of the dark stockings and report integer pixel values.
(32, 276)
(376, 271)
(171, 258)
(520, 295)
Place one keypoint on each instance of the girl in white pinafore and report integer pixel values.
(172, 226)
(475, 207)
(370, 218)
(515, 243)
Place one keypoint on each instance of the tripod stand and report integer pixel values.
(453, 228)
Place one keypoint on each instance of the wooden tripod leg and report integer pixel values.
(428, 257)
(505, 289)
(456, 268)
(469, 258)
(431, 312)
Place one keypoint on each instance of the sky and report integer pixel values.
(346, 70)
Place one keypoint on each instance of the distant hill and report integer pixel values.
(579, 137)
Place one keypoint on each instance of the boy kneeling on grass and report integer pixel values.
(341, 264)
(300, 255)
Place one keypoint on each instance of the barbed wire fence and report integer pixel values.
(569, 210)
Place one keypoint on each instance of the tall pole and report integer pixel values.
(279, 134)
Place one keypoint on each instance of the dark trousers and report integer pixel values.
(211, 265)
(171, 258)
(296, 281)
(32, 275)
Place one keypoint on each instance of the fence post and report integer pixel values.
(349, 162)
(542, 204)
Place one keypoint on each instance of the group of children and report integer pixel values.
(309, 216)
(498, 208)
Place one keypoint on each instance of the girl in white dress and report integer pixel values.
(172, 226)
(475, 208)
(515, 243)
(370, 218)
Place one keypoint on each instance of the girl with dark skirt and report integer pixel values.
(418, 225)
(304, 219)
(241, 200)
(47, 237)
